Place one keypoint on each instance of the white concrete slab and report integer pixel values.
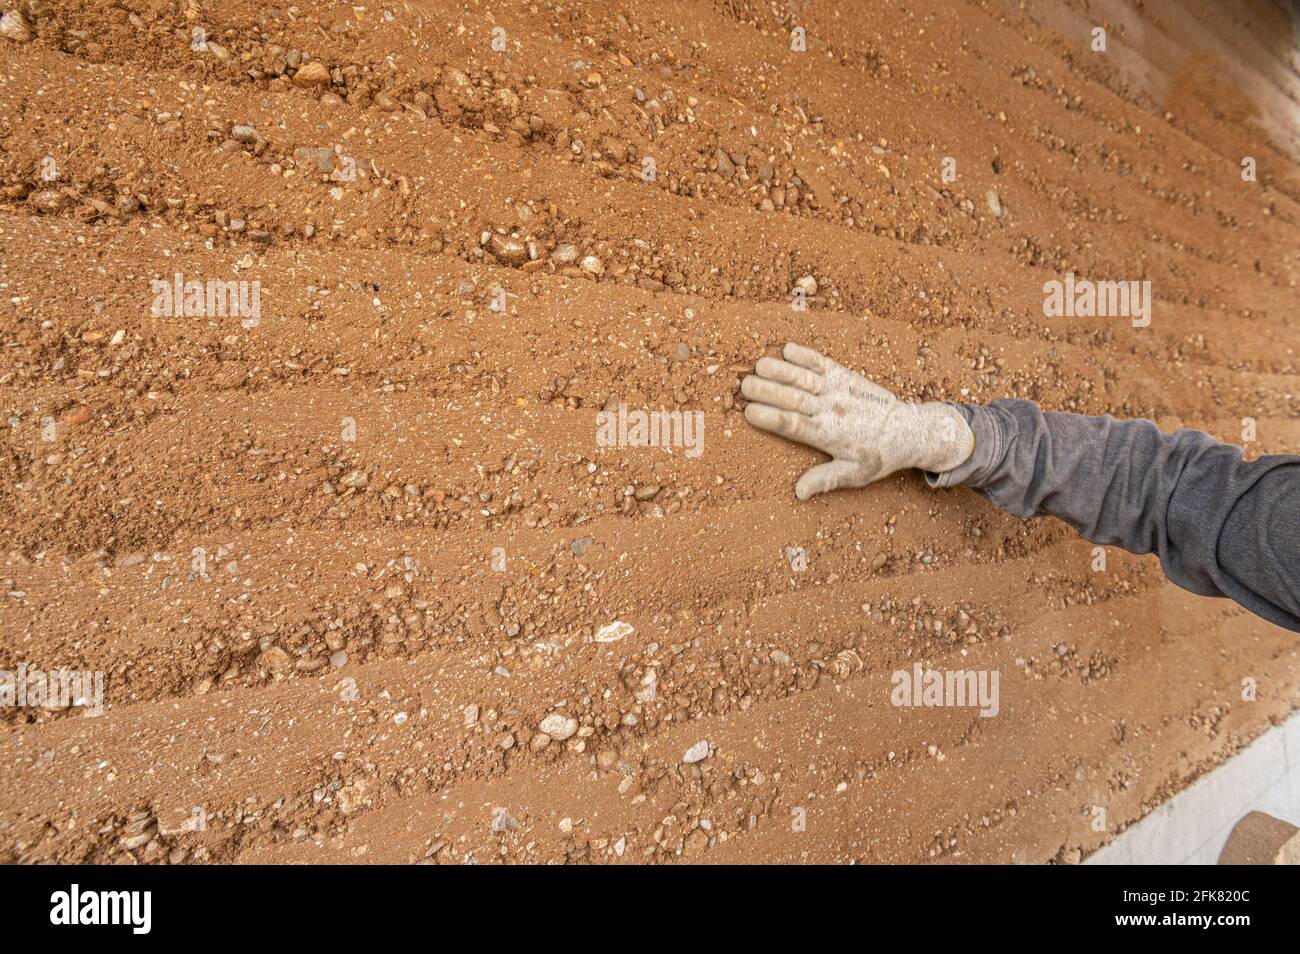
(1192, 827)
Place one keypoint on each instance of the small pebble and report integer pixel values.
(558, 727)
(697, 752)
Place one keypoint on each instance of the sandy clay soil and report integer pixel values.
(349, 569)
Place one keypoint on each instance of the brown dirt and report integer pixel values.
(475, 428)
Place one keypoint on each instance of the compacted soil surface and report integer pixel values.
(360, 581)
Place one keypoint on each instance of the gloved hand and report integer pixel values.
(868, 432)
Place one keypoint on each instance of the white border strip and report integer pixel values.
(1192, 827)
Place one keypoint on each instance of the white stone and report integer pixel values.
(697, 752)
(558, 727)
(613, 632)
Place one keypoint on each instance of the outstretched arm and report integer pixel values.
(1221, 526)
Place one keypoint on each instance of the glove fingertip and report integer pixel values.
(805, 489)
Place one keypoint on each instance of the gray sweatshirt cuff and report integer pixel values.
(990, 445)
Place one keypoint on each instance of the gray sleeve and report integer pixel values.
(1221, 526)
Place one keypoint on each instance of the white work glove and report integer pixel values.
(869, 432)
